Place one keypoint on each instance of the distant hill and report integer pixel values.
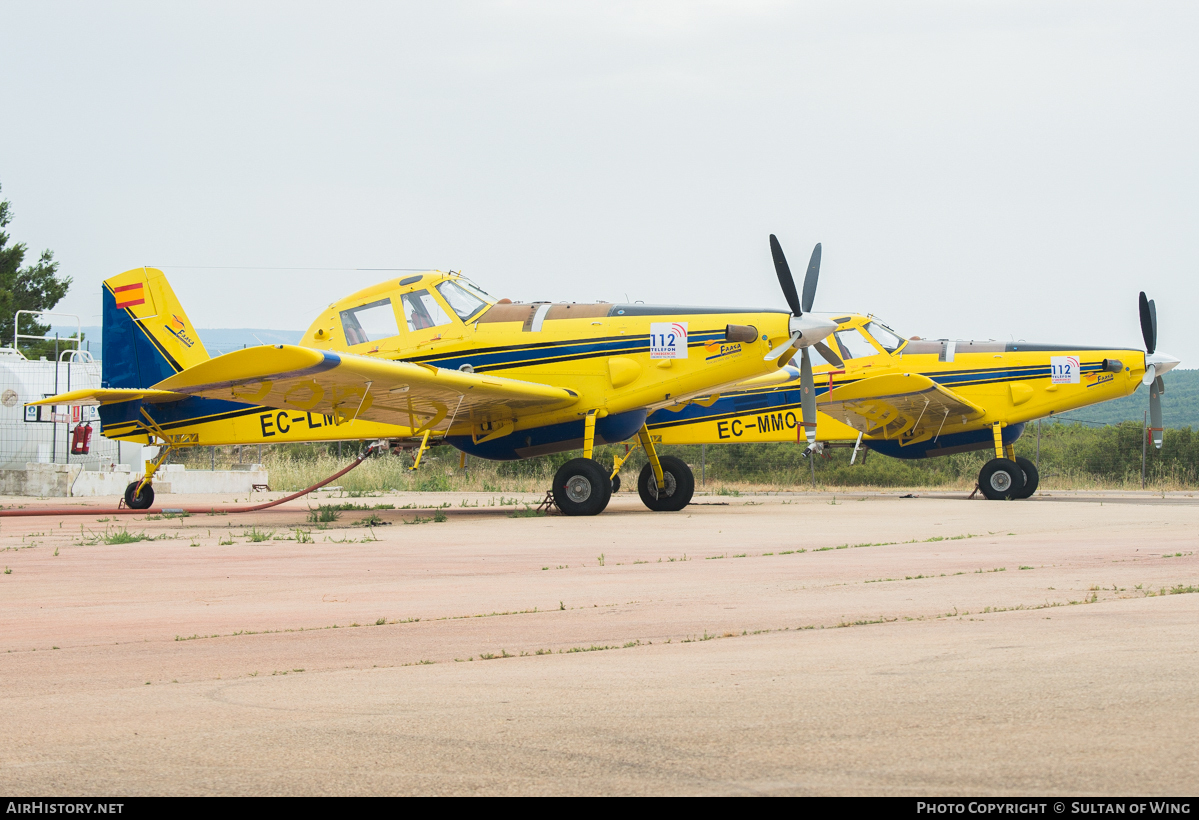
(1180, 404)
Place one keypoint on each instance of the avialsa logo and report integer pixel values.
(717, 350)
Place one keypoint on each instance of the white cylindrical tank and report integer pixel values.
(43, 434)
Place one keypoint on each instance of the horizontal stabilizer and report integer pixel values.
(94, 397)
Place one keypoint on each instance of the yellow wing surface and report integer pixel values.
(892, 405)
(94, 397)
(350, 387)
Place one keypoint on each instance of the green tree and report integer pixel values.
(33, 287)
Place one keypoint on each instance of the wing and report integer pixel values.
(892, 405)
(350, 387)
(94, 397)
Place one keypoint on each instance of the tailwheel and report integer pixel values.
(140, 501)
(616, 484)
(1001, 479)
(1032, 477)
(679, 481)
(582, 487)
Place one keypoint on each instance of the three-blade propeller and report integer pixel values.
(806, 328)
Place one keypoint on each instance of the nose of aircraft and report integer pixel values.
(1157, 364)
(812, 327)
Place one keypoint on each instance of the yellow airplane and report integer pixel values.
(919, 398)
(432, 356)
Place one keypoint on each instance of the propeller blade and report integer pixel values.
(809, 282)
(807, 386)
(1148, 323)
(783, 348)
(784, 273)
(1150, 374)
(1155, 413)
(828, 354)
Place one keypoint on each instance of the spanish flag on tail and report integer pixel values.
(130, 295)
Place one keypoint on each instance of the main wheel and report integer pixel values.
(1032, 477)
(1001, 479)
(142, 500)
(581, 487)
(679, 481)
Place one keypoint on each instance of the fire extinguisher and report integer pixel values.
(81, 440)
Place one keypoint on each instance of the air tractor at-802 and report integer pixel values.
(435, 359)
(865, 386)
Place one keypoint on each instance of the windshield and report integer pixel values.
(463, 301)
(887, 339)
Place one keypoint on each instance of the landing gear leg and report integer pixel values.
(666, 483)
(139, 495)
(1002, 478)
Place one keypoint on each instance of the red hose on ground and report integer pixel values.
(83, 510)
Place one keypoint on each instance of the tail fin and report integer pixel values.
(147, 335)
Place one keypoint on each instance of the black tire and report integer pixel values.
(616, 484)
(1032, 477)
(680, 485)
(142, 500)
(1001, 479)
(582, 487)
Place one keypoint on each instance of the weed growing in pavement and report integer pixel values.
(372, 520)
(121, 536)
(257, 536)
(323, 514)
(600, 558)
(303, 536)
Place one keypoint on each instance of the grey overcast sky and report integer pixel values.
(974, 169)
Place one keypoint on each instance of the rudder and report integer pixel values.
(147, 335)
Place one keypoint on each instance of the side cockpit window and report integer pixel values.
(369, 323)
(853, 345)
(421, 310)
(887, 339)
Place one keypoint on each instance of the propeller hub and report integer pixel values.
(1161, 362)
(812, 327)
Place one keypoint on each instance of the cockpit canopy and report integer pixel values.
(856, 337)
(391, 310)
